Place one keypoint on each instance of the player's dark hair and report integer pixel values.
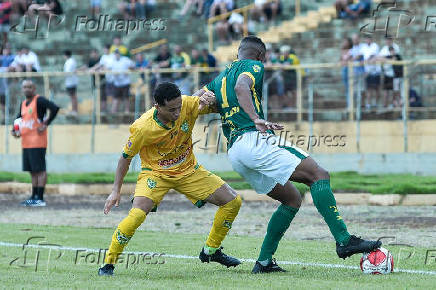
(68, 53)
(166, 92)
(251, 46)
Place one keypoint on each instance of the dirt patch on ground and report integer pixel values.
(414, 225)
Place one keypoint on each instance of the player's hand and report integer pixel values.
(16, 134)
(207, 99)
(113, 199)
(42, 128)
(263, 125)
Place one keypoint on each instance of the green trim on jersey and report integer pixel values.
(159, 122)
(235, 121)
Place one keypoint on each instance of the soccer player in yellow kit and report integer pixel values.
(163, 138)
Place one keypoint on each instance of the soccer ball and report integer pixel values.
(379, 261)
(17, 125)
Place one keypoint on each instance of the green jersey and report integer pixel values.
(235, 121)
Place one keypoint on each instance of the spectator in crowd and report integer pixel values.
(141, 63)
(71, 81)
(162, 60)
(107, 80)
(121, 64)
(25, 61)
(6, 60)
(385, 49)
(33, 132)
(227, 29)
(179, 60)
(19, 7)
(288, 57)
(370, 51)
(266, 11)
(95, 7)
(220, 7)
(276, 89)
(189, 3)
(45, 8)
(197, 59)
(136, 8)
(117, 44)
(5, 14)
(210, 59)
(358, 69)
(393, 78)
(206, 8)
(348, 9)
(346, 57)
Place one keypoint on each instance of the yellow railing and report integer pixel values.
(197, 71)
(244, 10)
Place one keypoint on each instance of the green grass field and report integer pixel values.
(185, 272)
(341, 181)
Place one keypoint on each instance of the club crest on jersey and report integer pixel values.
(185, 126)
(151, 183)
(29, 111)
(122, 239)
(256, 68)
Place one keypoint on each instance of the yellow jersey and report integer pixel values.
(165, 148)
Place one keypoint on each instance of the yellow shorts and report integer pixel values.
(197, 186)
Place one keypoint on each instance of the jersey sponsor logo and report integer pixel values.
(129, 144)
(30, 111)
(256, 68)
(185, 126)
(168, 163)
(151, 183)
(174, 133)
(233, 111)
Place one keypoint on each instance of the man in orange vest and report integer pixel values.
(33, 132)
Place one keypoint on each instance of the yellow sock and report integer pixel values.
(123, 233)
(222, 223)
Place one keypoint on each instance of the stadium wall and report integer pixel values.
(334, 144)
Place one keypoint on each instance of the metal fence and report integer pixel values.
(310, 92)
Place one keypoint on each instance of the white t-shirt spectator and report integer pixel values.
(259, 3)
(106, 61)
(385, 50)
(229, 3)
(27, 59)
(122, 65)
(236, 18)
(70, 65)
(370, 51)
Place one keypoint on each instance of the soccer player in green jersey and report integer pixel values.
(268, 163)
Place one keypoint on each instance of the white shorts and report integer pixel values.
(263, 161)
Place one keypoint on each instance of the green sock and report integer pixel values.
(325, 202)
(209, 250)
(277, 226)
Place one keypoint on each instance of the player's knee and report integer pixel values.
(235, 204)
(321, 174)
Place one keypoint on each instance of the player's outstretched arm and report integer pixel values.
(243, 93)
(207, 99)
(115, 196)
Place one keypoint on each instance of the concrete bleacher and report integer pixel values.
(315, 35)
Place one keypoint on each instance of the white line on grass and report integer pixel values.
(322, 265)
